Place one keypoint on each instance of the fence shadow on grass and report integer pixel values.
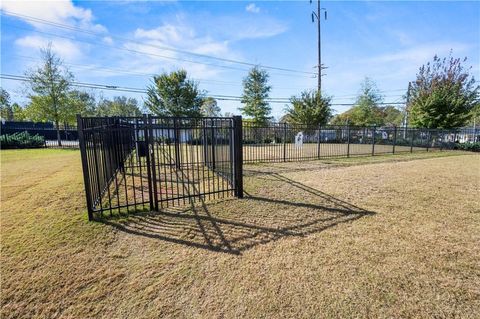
(234, 226)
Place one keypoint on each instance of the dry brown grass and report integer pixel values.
(385, 239)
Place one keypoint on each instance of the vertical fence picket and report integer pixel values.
(411, 140)
(428, 139)
(373, 139)
(348, 140)
(394, 138)
(284, 142)
(318, 140)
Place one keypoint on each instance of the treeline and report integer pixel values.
(75, 102)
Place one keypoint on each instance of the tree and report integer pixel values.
(366, 110)
(6, 111)
(174, 95)
(81, 103)
(474, 116)
(76, 102)
(50, 84)
(391, 115)
(388, 115)
(443, 94)
(119, 106)
(255, 95)
(210, 107)
(19, 113)
(310, 108)
(342, 118)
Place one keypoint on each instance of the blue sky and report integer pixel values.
(384, 40)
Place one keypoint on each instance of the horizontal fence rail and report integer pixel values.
(148, 163)
(282, 142)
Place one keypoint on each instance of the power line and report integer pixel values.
(143, 91)
(129, 50)
(120, 71)
(218, 82)
(117, 88)
(71, 28)
(147, 53)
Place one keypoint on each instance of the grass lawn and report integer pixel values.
(388, 236)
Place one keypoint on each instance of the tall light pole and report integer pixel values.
(317, 15)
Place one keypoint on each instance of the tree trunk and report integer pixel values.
(59, 140)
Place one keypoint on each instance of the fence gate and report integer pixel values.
(133, 164)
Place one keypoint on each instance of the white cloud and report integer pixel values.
(66, 49)
(238, 28)
(421, 53)
(252, 8)
(59, 11)
(182, 37)
(166, 33)
(108, 40)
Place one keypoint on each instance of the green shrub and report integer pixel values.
(21, 140)
(472, 147)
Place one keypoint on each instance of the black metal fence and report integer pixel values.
(279, 142)
(147, 163)
(68, 134)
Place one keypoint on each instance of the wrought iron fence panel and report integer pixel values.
(148, 163)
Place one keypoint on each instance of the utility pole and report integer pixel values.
(405, 124)
(317, 15)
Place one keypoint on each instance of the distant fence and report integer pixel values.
(68, 134)
(276, 142)
(281, 142)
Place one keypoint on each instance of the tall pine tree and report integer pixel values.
(50, 84)
(255, 95)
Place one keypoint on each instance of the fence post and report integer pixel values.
(205, 142)
(86, 177)
(284, 142)
(428, 139)
(394, 138)
(348, 139)
(146, 123)
(442, 136)
(411, 140)
(373, 140)
(213, 146)
(177, 143)
(319, 136)
(238, 155)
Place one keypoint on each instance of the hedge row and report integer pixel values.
(21, 140)
(472, 147)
